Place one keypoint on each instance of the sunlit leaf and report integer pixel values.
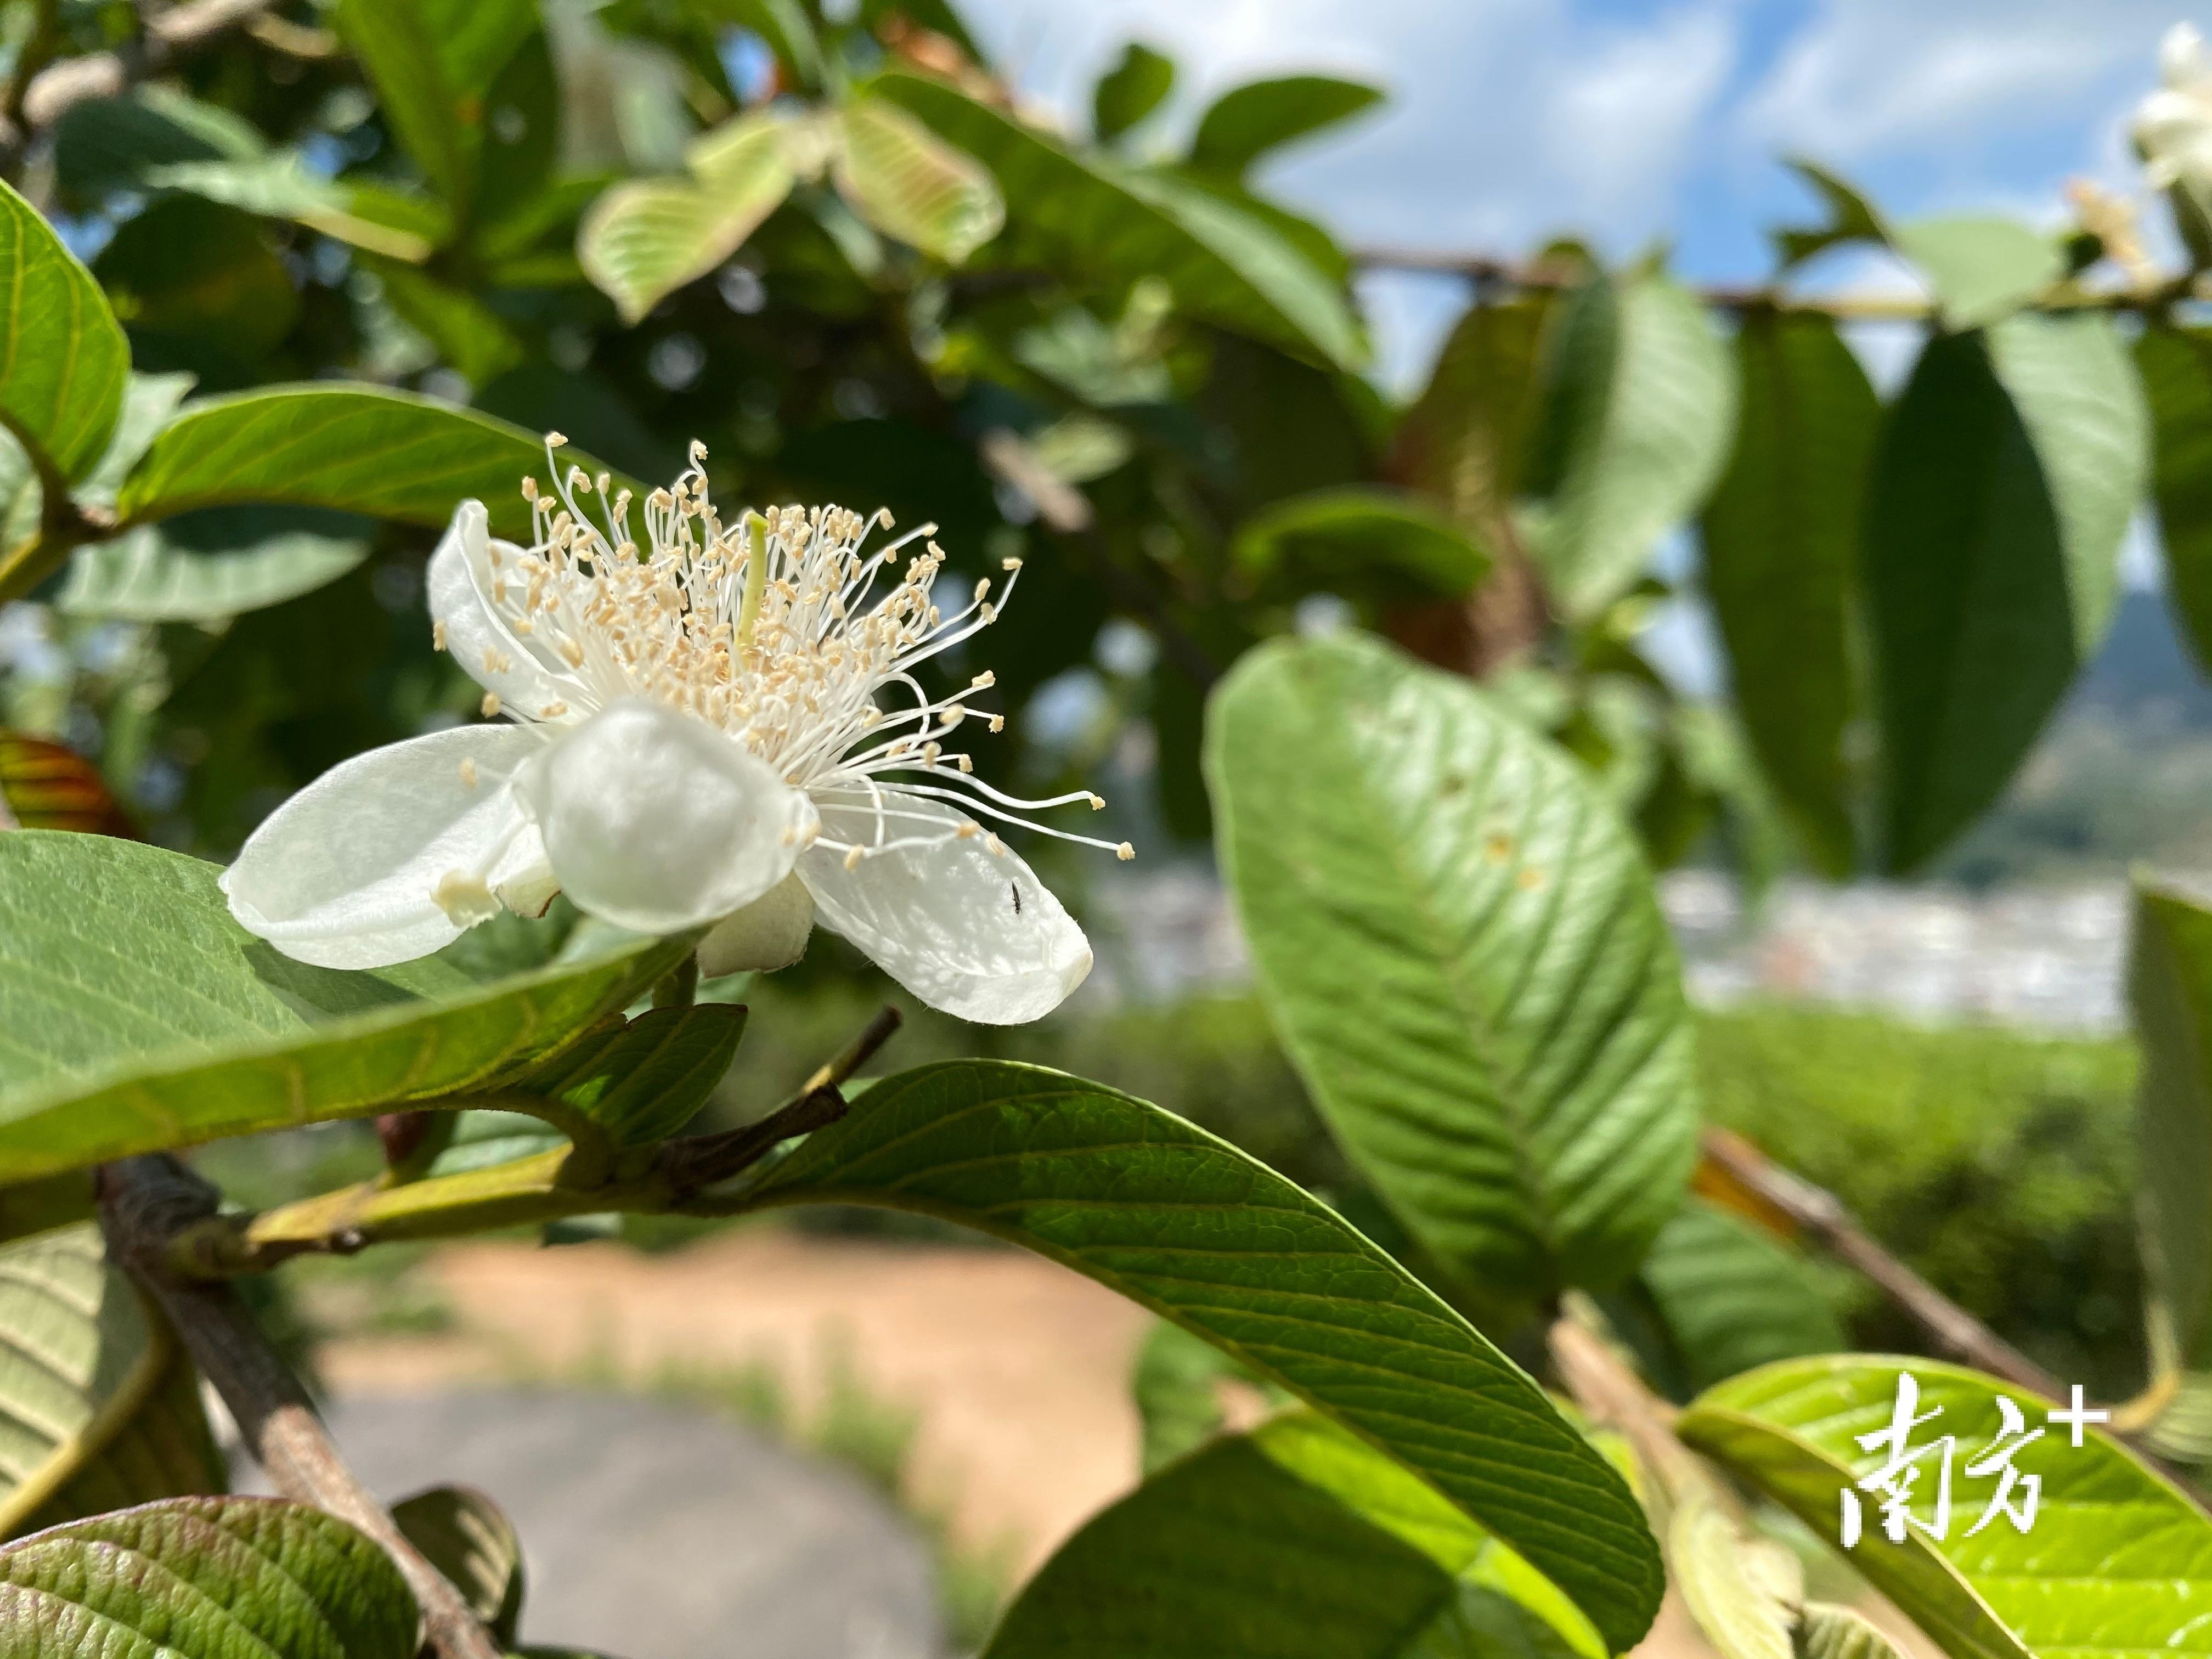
(1459, 942)
(142, 576)
(1136, 85)
(463, 1533)
(910, 185)
(1247, 122)
(1335, 539)
(2176, 365)
(1981, 268)
(62, 358)
(1196, 1231)
(2170, 991)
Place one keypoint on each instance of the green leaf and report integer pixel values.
(645, 238)
(280, 186)
(138, 1016)
(359, 449)
(467, 333)
(1782, 546)
(463, 1533)
(2003, 484)
(2118, 1562)
(1732, 1298)
(149, 401)
(2176, 367)
(1833, 1632)
(205, 1578)
(1981, 268)
(911, 185)
(64, 362)
(1466, 438)
(2170, 990)
(1851, 217)
(396, 45)
(98, 1406)
(639, 1083)
(1189, 1226)
(1329, 538)
(1107, 225)
(1246, 122)
(1294, 1540)
(1175, 1388)
(1742, 1592)
(1458, 943)
(1643, 405)
(141, 576)
(1131, 90)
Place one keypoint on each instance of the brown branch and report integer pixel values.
(1820, 1215)
(144, 1202)
(1488, 270)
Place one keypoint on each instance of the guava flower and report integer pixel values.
(721, 728)
(2173, 126)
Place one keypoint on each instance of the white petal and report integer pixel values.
(2181, 59)
(387, 856)
(523, 879)
(945, 921)
(657, 822)
(526, 674)
(770, 933)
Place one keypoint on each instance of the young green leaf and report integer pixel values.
(1247, 122)
(1198, 1232)
(637, 1083)
(1981, 269)
(1131, 90)
(1459, 942)
(911, 185)
(197, 1030)
(1851, 217)
(1831, 1632)
(2170, 988)
(1732, 1298)
(205, 1578)
(149, 402)
(1644, 407)
(360, 449)
(2118, 1561)
(1782, 547)
(142, 576)
(2176, 365)
(2003, 484)
(1291, 1541)
(465, 1536)
(63, 361)
(1106, 225)
(99, 1407)
(1350, 535)
(645, 238)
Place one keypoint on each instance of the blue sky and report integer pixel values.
(1630, 120)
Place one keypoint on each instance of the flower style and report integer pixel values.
(722, 729)
(2173, 125)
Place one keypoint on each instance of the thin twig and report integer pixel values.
(1489, 271)
(1820, 1214)
(144, 1201)
(691, 1166)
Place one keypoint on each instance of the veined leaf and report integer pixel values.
(1782, 546)
(142, 576)
(205, 1578)
(911, 185)
(1130, 91)
(2002, 488)
(1355, 532)
(360, 449)
(638, 1083)
(1744, 1593)
(1294, 1540)
(278, 185)
(1111, 224)
(135, 1015)
(1194, 1230)
(463, 1533)
(645, 238)
(1981, 268)
(1833, 1632)
(397, 44)
(44, 785)
(62, 357)
(2170, 988)
(98, 1406)
(2117, 1562)
(2176, 365)
(1645, 407)
(1246, 122)
(1733, 1298)
(149, 401)
(1458, 940)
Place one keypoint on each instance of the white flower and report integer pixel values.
(722, 728)
(2173, 126)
